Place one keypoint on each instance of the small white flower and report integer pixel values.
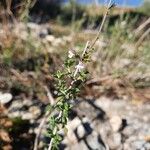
(79, 67)
(70, 54)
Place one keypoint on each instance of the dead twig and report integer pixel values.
(141, 27)
(49, 95)
(102, 24)
(40, 130)
(47, 114)
(146, 33)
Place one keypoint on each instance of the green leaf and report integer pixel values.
(59, 74)
(69, 62)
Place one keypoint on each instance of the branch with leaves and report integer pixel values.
(68, 84)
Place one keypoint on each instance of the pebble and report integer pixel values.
(93, 142)
(132, 134)
(14, 114)
(5, 98)
(109, 129)
(16, 105)
(27, 102)
(115, 141)
(116, 123)
(80, 131)
(73, 124)
(27, 116)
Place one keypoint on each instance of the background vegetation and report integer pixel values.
(35, 38)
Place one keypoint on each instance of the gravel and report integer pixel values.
(98, 124)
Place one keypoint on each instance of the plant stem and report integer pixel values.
(51, 142)
(101, 26)
(77, 70)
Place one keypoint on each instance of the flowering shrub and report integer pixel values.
(75, 73)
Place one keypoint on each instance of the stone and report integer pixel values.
(74, 123)
(71, 126)
(26, 116)
(80, 131)
(103, 102)
(70, 138)
(115, 141)
(14, 114)
(5, 98)
(93, 142)
(126, 146)
(27, 102)
(116, 123)
(16, 105)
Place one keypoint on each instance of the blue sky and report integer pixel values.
(130, 3)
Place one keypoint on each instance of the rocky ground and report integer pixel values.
(100, 124)
(94, 124)
(109, 124)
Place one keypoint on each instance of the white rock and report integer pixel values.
(72, 125)
(70, 138)
(103, 102)
(93, 142)
(80, 131)
(114, 141)
(5, 98)
(27, 115)
(116, 123)
(14, 114)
